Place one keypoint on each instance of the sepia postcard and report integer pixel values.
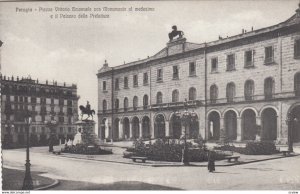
(150, 95)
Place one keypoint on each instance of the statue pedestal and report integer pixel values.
(86, 133)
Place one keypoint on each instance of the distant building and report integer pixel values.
(242, 86)
(46, 101)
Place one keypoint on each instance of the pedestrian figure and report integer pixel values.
(211, 161)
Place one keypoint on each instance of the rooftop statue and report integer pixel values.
(175, 33)
(86, 110)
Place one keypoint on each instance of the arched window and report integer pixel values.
(125, 104)
(175, 96)
(104, 105)
(269, 88)
(158, 98)
(230, 92)
(192, 94)
(135, 102)
(249, 90)
(213, 94)
(145, 101)
(116, 104)
(297, 84)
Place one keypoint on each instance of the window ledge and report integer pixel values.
(135, 86)
(146, 84)
(126, 87)
(270, 63)
(214, 72)
(159, 81)
(105, 91)
(193, 75)
(175, 78)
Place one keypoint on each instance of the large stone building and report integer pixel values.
(241, 87)
(45, 101)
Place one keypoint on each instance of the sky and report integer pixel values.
(73, 50)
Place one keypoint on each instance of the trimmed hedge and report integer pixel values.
(252, 148)
(168, 150)
(84, 149)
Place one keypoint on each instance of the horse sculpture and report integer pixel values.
(87, 111)
(175, 33)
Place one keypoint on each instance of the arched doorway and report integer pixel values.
(248, 125)
(146, 127)
(231, 125)
(126, 129)
(135, 128)
(269, 124)
(194, 128)
(214, 126)
(159, 126)
(296, 124)
(116, 129)
(175, 127)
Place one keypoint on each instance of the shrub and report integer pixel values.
(88, 150)
(168, 150)
(252, 148)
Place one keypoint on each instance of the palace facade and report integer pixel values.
(242, 87)
(45, 101)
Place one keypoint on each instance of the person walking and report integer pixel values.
(211, 161)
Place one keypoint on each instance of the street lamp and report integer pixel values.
(187, 118)
(27, 184)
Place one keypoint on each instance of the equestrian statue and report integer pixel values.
(175, 33)
(86, 110)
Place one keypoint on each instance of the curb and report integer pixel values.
(54, 184)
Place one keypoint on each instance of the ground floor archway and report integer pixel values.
(194, 128)
(135, 127)
(230, 121)
(248, 125)
(159, 126)
(175, 127)
(269, 124)
(146, 127)
(126, 128)
(214, 126)
(116, 129)
(295, 125)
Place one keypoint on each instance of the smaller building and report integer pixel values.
(45, 101)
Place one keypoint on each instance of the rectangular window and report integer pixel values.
(70, 120)
(214, 64)
(52, 100)
(69, 102)
(33, 100)
(145, 79)
(43, 118)
(61, 102)
(192, 68)
(117, 84)
(175, 72)
(125, 82)
(135, 80)
(248, 58)
(70, 111)
(230, 62)
(26, 99)
(104, 85)
(43, 100)
(159, 75)
(269, 54)
(69, 129)
(297, 49)
(61, 119)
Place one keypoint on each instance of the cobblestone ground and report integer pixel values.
(279, 174)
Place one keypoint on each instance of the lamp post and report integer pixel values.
(27, 184)
(186, 118)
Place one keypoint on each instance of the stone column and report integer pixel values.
(121, 134)
(259, 131)
(141, 129)
(130, 130)
(239, 129)
(167, 128)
